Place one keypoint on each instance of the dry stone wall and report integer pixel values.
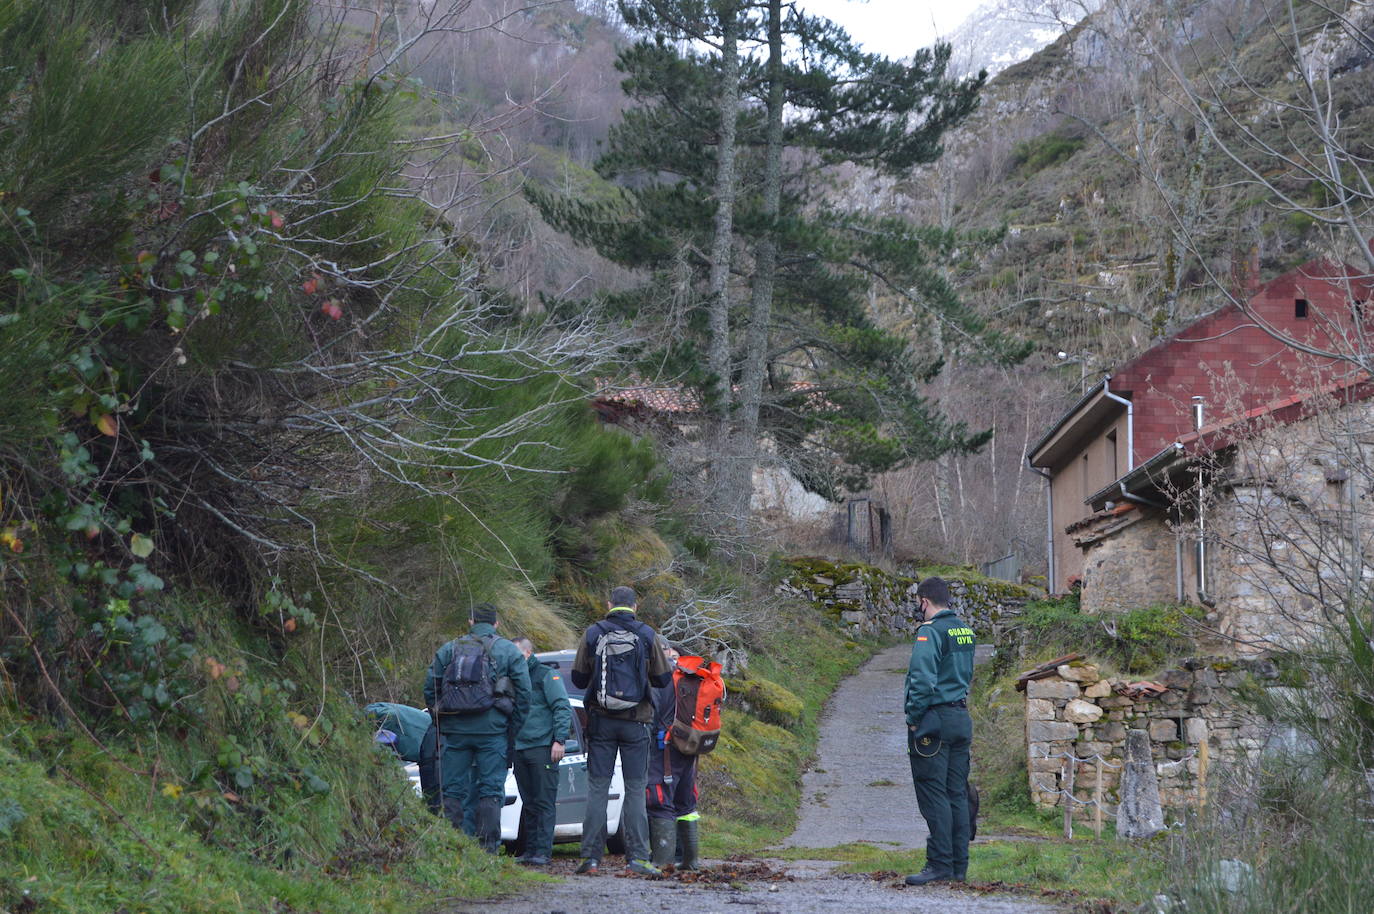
(1080, 713)
(869, 601)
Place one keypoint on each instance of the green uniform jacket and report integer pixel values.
(409, 724)
(941, 665)
(508, 660)
(550, 713)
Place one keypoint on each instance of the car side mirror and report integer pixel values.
(572, 747)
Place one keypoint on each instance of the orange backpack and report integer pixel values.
(700, 690)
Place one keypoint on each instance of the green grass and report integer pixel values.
(1086, 867)
(84, 835)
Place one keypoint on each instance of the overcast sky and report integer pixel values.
(894, 27)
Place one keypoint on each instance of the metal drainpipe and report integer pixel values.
(1049, 522)
(1178, 569)
(1130, 422)
(1198, 415)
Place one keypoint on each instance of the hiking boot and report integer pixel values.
(929, 874)
(587, 867)
(644, 868)
(662, 841)
(960, 874)
(535, 861)
(688, 841)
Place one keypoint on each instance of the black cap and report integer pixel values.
(484, 612)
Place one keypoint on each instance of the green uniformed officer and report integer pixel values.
(475, 745)
(538, 750)
(414, 738)
(939, 732)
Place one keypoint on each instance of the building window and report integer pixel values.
(1300, 308)
(1087, 484)
(1112, 472)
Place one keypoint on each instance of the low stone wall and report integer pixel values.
(1077, 712)
(870, 601)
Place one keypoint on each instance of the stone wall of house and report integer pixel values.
(1079, 713)
(1288, 501)
(1283, 524)
(1131, 566)
(869, 601)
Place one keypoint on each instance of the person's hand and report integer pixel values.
(911, 726)
(556, 753)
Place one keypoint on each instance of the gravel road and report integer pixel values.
(859, 790)
(757, 887)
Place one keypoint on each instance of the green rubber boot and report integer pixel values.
(687, 840)
(662, 841)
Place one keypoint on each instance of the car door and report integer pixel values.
(572, 779)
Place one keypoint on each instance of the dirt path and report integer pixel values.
(859, 790)
(752, 887)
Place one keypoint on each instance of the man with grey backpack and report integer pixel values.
(619, 665)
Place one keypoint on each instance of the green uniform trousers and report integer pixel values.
(474, 766)
(537, 777)
(941, 783)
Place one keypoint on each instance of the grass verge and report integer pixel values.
(751, 783)
(80, 832)
(1093, 874)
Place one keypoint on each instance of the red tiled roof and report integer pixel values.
(1282, 411)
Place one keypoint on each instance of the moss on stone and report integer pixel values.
(766, 700)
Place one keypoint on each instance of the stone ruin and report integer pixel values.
(1188, 715)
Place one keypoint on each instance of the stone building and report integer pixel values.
(1165, 480)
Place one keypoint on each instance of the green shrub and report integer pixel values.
(1138, 640)
(1293, 839)
(1043, 151)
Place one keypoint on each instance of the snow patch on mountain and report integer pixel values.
(1003, 32)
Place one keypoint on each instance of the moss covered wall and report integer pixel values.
(869, 601)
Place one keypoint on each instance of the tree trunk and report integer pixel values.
(746, 438)
(718, 316)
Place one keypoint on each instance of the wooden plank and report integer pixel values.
(1044, 670)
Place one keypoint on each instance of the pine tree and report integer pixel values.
(812, 371)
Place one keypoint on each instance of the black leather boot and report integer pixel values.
(489, 823)
(930, 874)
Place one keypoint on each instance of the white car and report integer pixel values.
(572, 794)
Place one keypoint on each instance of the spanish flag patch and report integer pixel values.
(921, 638)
